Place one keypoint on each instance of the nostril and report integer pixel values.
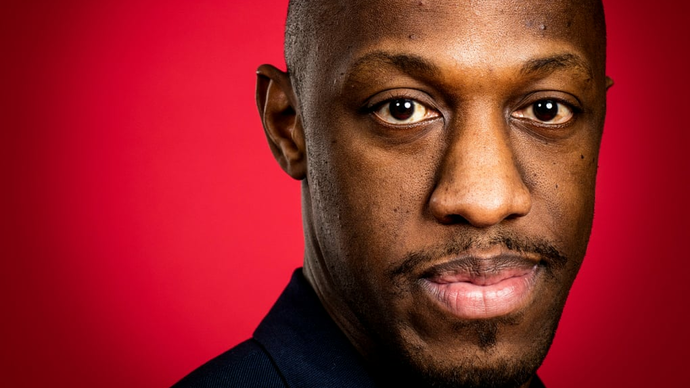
(450, 219)
(513, 216)
(480, 213)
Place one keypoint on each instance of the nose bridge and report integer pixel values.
(479, 181)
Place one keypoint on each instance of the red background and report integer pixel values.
(146, 227)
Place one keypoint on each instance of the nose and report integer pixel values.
(479, 181)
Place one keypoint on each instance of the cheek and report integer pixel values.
(562, 184)
(369, 200)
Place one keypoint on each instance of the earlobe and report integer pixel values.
(277, 106)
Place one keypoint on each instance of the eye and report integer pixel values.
(401, 111)
(546, 111)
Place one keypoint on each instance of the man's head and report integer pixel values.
(448, 154)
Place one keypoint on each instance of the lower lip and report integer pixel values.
(468, 300)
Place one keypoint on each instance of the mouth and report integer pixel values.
(481, 288)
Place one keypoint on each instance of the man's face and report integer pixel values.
(451, 160)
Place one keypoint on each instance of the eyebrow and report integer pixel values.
(417, 66)
(553, 63)
(408, 63)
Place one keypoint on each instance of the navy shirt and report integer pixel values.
(296, 345)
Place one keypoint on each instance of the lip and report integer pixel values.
(481, 288)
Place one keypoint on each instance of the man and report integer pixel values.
(447, 152)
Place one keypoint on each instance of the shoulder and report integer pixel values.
(297, 344)
(245, 365)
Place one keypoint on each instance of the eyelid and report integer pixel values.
(393, 94)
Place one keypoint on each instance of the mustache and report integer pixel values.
(417, 262)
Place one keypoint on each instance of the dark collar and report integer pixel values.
(305, 344)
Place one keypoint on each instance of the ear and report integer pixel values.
(609, 82)
(277, 106)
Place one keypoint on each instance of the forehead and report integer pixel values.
(480, 16)
(469, 34)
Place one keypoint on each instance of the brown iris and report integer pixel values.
(545, 110)
(401, 109)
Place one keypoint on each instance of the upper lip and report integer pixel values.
(481, 269)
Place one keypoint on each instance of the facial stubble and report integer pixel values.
(481, 363)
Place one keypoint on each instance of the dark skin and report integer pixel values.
(423, 135)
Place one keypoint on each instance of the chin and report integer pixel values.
(507, 373)
(480, 356)
(443, 351)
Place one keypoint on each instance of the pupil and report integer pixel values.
(401, 109)
(545, 110)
